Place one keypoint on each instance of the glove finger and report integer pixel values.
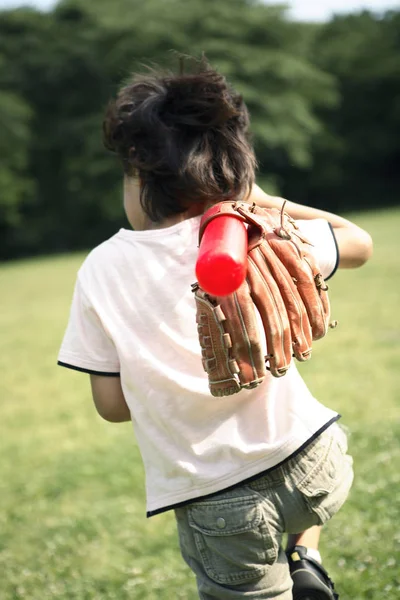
(300, 268)
(243, 330)
(320, 327)
(269, 302)
(300, 328)
(215, 346)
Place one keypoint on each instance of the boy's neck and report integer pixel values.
(194, 211)
(138, 218)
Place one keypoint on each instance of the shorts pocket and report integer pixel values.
(329, 475)
(232, 538)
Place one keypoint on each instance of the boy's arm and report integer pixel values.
(109, 398)
(355, 244)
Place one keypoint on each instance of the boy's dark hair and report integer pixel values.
(185, 135)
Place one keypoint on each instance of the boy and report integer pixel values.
(238, 471)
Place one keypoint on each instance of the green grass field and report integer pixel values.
(72, 506)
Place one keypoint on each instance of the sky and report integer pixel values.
(305, 10)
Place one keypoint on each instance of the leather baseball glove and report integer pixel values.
(284, 284)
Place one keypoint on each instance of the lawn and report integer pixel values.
(72, 506)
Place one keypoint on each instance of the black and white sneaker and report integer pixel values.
(310, 580)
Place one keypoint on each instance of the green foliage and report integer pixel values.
(323, 101)
(15, 184)
(56, 64)
(357, 157)
(72, 502)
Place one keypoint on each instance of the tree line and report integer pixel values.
(324, 101)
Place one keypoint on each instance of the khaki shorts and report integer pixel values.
(232, 540)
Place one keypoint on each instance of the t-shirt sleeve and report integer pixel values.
(86, 346)
(325, 249)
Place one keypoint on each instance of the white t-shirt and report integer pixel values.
(133, 315)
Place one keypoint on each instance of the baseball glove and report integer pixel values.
(283, 283)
